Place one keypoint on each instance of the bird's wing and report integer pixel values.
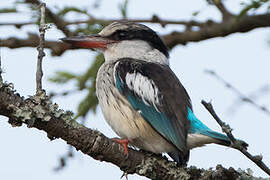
(155, 91)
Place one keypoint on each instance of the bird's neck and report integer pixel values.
(134, 49)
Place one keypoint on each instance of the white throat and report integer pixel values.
(136, 49)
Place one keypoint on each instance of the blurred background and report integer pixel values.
(240, 59)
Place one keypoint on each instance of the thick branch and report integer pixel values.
(45, 116)
(242, 24)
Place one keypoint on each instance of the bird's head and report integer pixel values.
(125, 40)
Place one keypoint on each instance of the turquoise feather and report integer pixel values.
(198, 127)
(158, 120)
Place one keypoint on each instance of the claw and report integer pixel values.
(124, 143)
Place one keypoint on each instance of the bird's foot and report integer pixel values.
(124, 143)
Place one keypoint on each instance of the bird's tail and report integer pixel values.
(197, 127)
(222, 139)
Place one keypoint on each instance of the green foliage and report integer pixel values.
(85, 81)
(253, 5)
(91, 72)
(123, 9)
(90, 102)
(62, 77)
(8, 10)
(71, 9)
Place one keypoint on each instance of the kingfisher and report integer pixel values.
(140, 96)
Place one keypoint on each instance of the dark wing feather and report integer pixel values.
(156, 91)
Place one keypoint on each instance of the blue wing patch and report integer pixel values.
(157, 119)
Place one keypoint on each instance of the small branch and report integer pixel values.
(243, 97)
(237, 144)
(41, 53)
(59, 22)
(257, 94)
(226, 15)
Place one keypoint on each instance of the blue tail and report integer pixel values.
(197, 127)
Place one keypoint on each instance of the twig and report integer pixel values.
(237, 144)
(41, 53)
(243, 97)
(259, 93)
(154, 20)
(59, 22)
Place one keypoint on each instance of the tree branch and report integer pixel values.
(237, 144)
(226, 15)
(59, 124)
(242, 96)
(59, 22)
(41, 53)
(92, 20)
(208, 30)
(234, 25)
(57, 48)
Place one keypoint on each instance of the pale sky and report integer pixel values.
(241, 59)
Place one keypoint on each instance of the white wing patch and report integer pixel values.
(144, 88)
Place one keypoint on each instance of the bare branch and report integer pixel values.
(92, 20)
(259, 93)
(226, 15)
(59, 124)
(237, 144)
(242, 96)
(234, 25)
(208, 30)
(57, 48)
(59, 22)
(154, 20)
(41, 53)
